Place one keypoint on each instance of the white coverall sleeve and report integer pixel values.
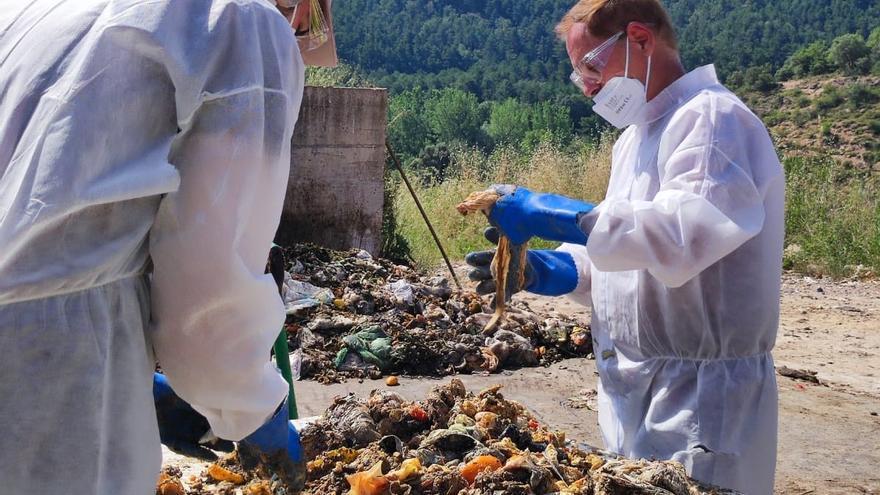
(707, 206)
(215, 313)
(581, 293)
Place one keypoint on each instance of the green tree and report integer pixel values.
(408, 128)
(343, 75)
(758, 78)
(808, 61)
(509, 122)
(850, 53)
(874, 45)
(551, 121)
(860, 95)
(874, 39)
(432, 164)
(454, 116)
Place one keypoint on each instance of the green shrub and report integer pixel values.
(828, 137)
(759, 78)
(830, 98)
(774, 118)
(801, 117)
(861, 95)
(833, 219)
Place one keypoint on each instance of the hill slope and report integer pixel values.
(501, 48)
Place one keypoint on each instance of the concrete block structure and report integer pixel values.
(336, 190)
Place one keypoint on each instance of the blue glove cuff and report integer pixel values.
(524, 214)
(161, 387)
(554, 273)
(277, 434)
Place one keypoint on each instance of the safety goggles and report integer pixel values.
(591, 65)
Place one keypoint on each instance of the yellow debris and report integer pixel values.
(219, 473)
(408, 469)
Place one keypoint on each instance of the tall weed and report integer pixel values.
(579, 171)
(832, 212)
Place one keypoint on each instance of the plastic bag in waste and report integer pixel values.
(300, 295)
(403, 291)
(371, 344)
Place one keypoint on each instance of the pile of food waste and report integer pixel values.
(354, 316)
(453, 442)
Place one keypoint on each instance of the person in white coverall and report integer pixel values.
(681, 261)
(138, 137)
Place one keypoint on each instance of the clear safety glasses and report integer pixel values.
(590, 66)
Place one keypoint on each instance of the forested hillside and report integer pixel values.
(506, 48)
(480, 95)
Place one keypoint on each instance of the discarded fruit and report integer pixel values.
(392, 381)
(376, 318)
(478, 465)
(219, 473)
(449, 454)
(370, 482)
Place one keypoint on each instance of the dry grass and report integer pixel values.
(832, 216)
(579, 172)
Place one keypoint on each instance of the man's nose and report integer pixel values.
(591, 88)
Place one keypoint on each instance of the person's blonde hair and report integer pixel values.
(604, 18)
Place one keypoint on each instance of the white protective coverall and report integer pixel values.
(683, 265)
(136, 131)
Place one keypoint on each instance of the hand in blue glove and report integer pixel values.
(522, 214)
(547, 273)
(180, 426)
(275, 443)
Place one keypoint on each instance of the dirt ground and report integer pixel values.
(829, 434)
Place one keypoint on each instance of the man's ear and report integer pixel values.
(642, 35)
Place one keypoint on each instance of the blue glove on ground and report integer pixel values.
(522, 214)
(547, 273)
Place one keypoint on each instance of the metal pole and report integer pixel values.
(412, 193)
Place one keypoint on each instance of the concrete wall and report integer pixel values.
(335, 194)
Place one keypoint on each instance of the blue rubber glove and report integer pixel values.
(547, 273)
(276, 444)
(180, 426)
(277, 435)
(522, 214)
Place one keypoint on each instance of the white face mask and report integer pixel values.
(622, 100)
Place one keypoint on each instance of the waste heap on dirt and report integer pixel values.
(353, 316)
(453, 442)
